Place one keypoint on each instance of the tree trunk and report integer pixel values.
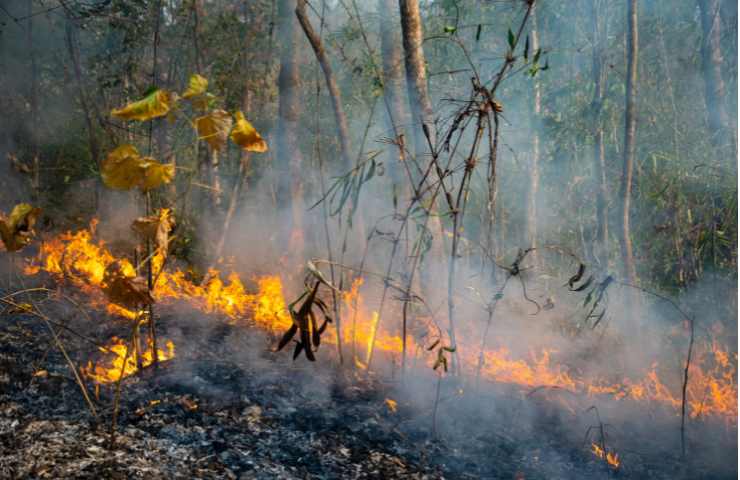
(628, 260)
(534, 167)
(714, 85)
(331, 83)
(34, 105)
(599, 79)
(393, 81)
(74, 55)
(287, 152)
(416, 74)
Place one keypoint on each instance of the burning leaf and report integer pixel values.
(155, 104)
(245, 135)
(611, 458)
(16, 230)
(156, 228)
(123, 287)
(197, 85)
(214, 128)
(124, 169)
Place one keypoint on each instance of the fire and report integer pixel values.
(391, 404)
(76, 257)
(122, 364)
(611, 458)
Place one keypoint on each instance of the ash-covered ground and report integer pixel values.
(228, 407)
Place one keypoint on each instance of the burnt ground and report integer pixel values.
(227, 407)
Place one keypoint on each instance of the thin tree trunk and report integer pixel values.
(34, 104)
(288, 154)
(393, 78)
(628, 260)
(331, 83)
(74, 55)
(534, 167)
(599, 78)
(416, 74)
(240, 183)
(714, 85)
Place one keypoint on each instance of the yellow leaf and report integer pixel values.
(122, 169)
(214, 128)
(156, 228)
(156, 104)
(156, 174)
(196, 86)
(246, 136)
(125, 169)
(16, 231)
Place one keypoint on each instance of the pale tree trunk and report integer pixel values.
(74, 55)
(331, 83)
(534, 166)
(288, 154)
(714, 85)
(393, 82)
(599, 79)
(416, 74)
(628, 260)
(424, 133)
(421, 105)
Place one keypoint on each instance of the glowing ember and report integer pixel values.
(611, 458)
(391, 404)
(119, 362)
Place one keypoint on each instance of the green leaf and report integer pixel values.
(450, 29)
(512, 39)
(526, 49)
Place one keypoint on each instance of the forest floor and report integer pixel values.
(226, 407)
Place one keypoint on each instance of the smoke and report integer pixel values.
(636, 331)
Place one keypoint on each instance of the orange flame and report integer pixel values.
(122, 364)
(611, 458)
(712, 389)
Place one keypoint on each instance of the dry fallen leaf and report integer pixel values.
(214, 128)
(155, 104)
(245, 135)
(16, 230)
